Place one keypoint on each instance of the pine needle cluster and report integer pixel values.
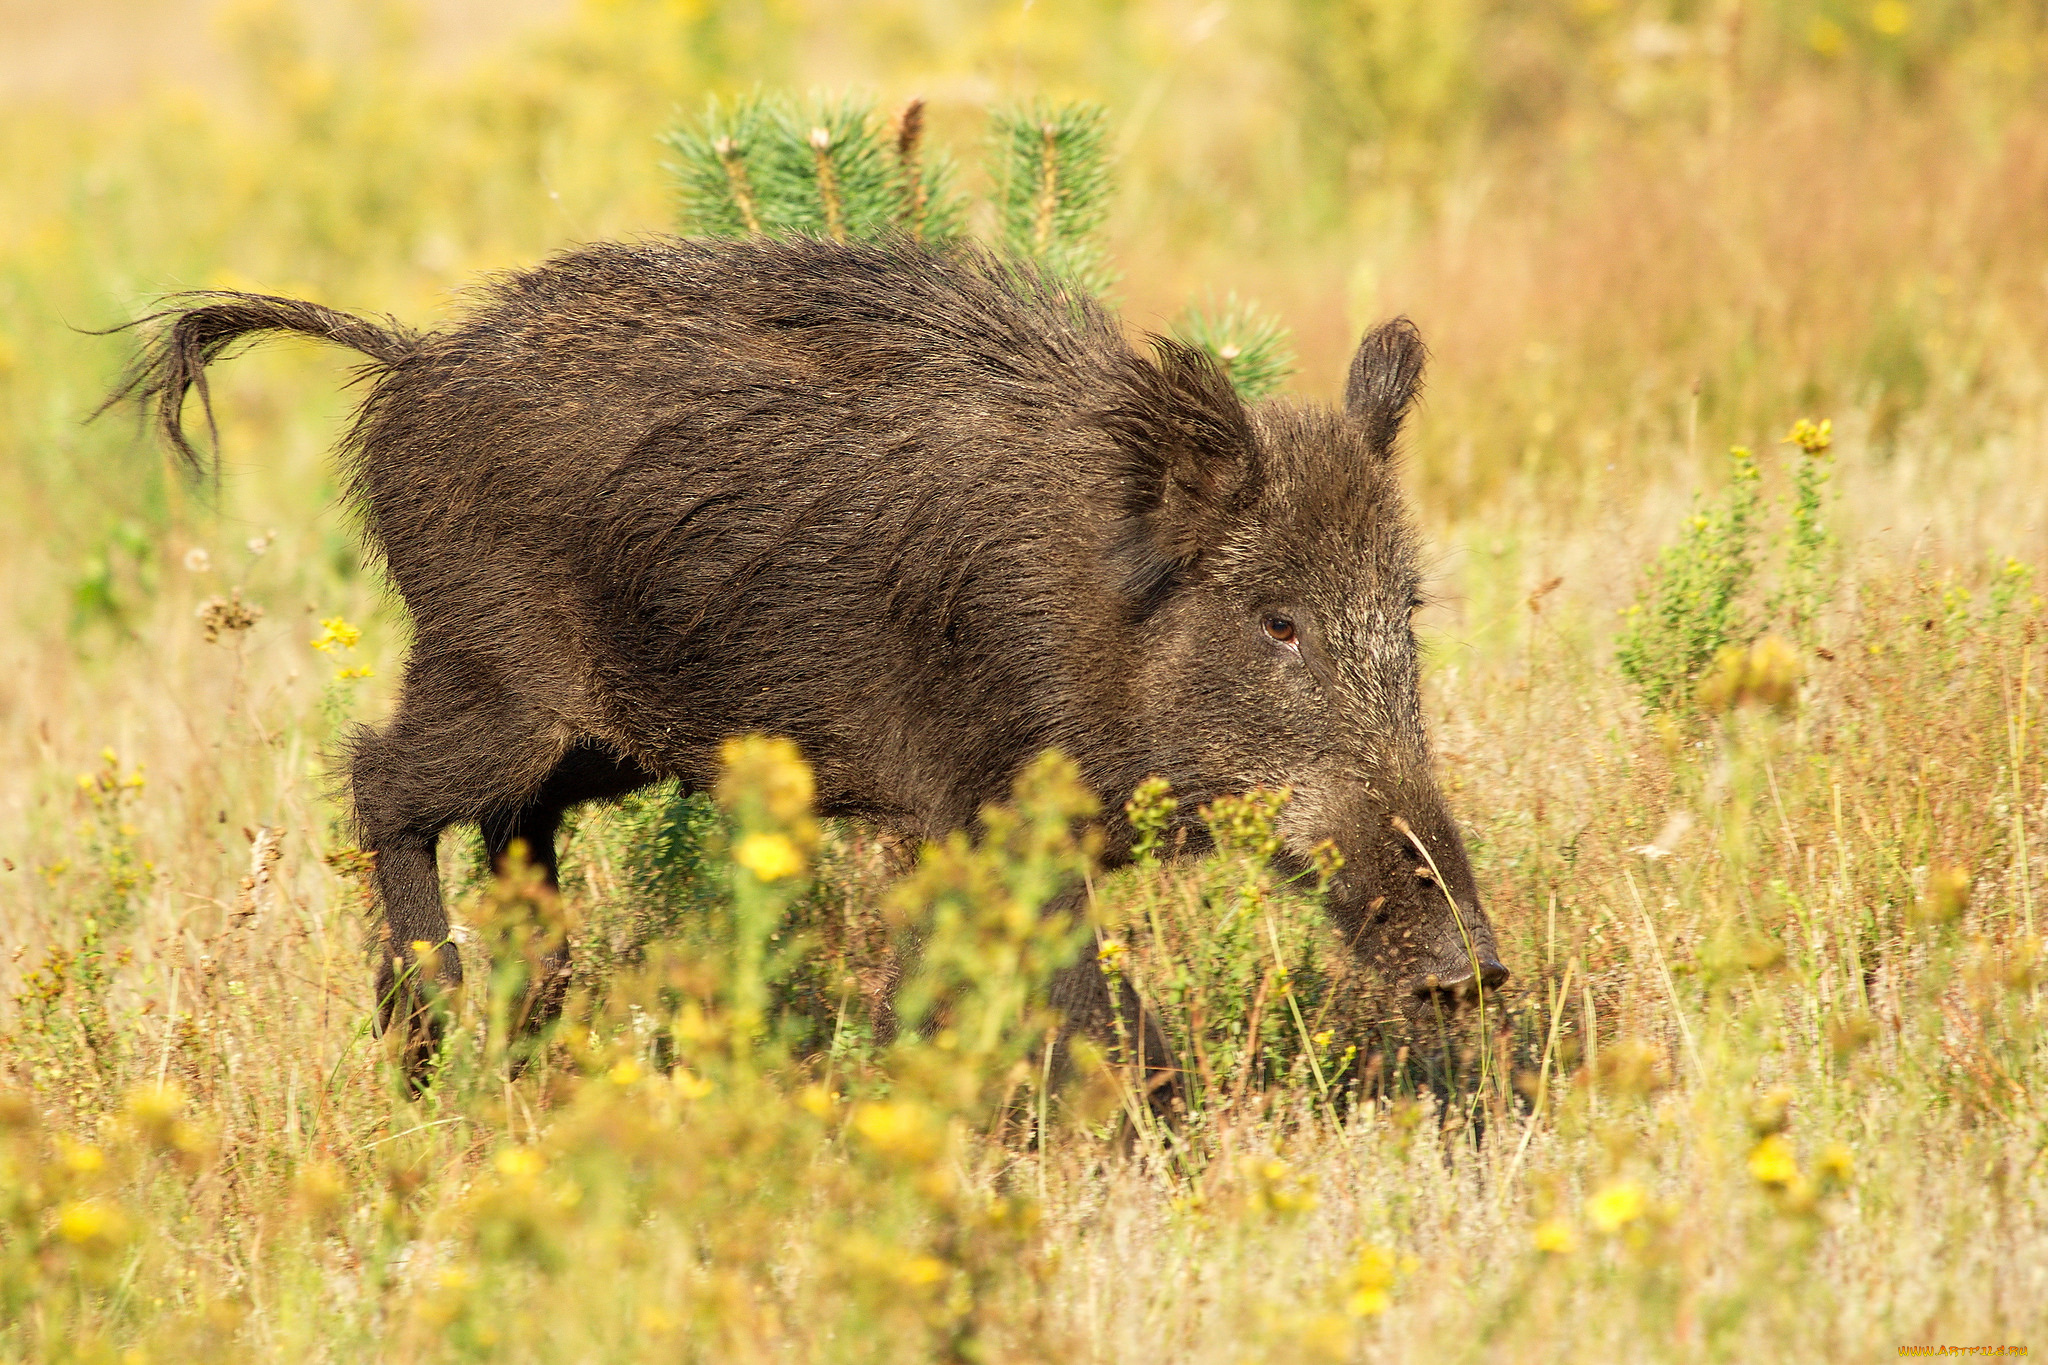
(1050, 165)
(765, 166)
(1249, 345)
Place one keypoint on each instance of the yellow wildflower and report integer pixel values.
(91, 1225)
(519, 1163)
(321, 1189)
(1616, 1206)
(770, 857)
(1371, 1277)
(1366, 1303)
(156, 1113)
(1772, 1163)
(336, 634)
(1555, 1236)
(1370, 1282)
(1277, 1188)
(153, 1107)
(1767, 673)
(908, 1132)
(771, 770)
(1771, 1112)
(1812, 437)
(82, 1159)
(920, 1271)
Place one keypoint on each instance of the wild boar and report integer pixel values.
(927, 513)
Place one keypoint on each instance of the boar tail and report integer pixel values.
(175, 360)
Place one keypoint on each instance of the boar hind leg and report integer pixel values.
(457, 749)
(585, 773)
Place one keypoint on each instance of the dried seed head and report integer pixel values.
(910, 130)
(228, 615)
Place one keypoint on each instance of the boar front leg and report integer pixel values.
(1115, 1016)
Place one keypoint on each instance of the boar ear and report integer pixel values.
(1189, 465)
(1385, 375)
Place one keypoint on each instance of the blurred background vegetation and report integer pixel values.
(1634, 234)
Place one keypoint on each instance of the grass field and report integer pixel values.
(1748, 748)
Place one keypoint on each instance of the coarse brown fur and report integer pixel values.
(927, 514)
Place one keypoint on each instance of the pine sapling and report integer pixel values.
(764, 167)
(828, 174)
(927, 210)
(712, 169)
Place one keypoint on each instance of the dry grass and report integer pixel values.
(1773, 1089)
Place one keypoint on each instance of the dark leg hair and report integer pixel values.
(459, 746)
(585, 773)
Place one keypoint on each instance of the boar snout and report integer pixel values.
(1458, 981)
(1466, 963)
(1405, 900)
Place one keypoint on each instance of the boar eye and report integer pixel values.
(1281, 629)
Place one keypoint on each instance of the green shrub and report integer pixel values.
(1699, 599)
(1693, 604)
